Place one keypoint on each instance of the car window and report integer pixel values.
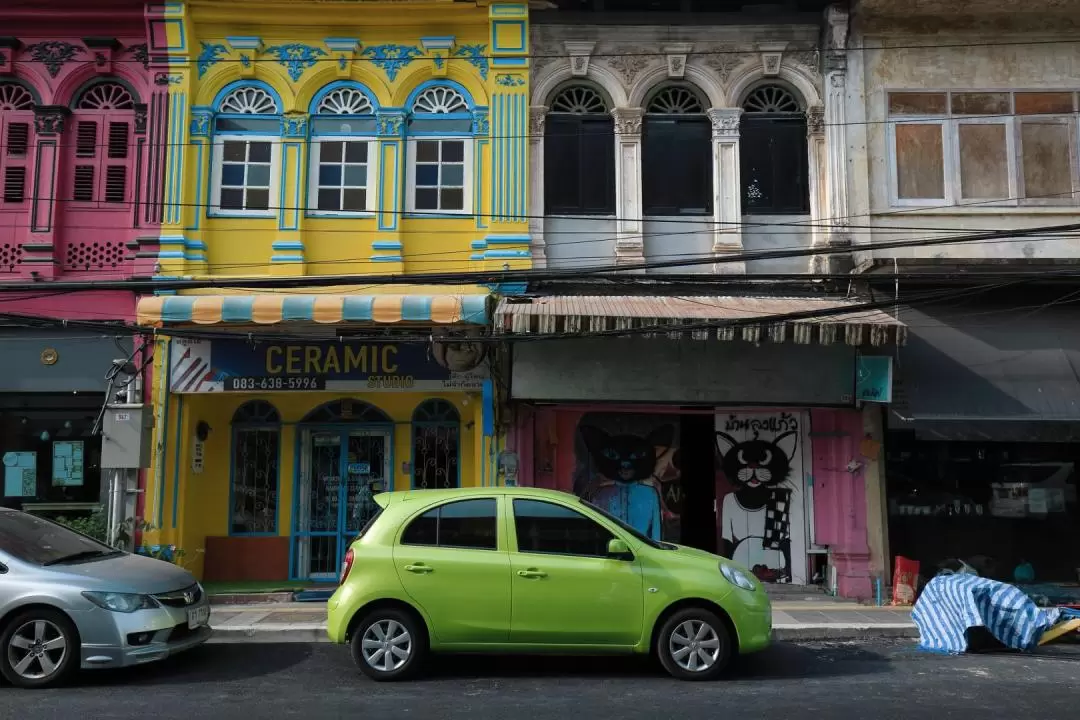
(461, 524)
(40, 542)
(544, 527)
(629, 528)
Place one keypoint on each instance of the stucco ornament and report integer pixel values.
(296, 57)
(476, 55)
(53, 54)
(391, 59)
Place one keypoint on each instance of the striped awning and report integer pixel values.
(271, 309)
(754, 319)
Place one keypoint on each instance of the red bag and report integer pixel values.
(905, 580)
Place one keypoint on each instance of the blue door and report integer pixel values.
(341, 470)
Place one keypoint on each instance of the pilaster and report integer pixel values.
(629, 225)
(537, 118)
(39, 251)
(509, 87)
(387, 249)
(727, 188)
(836, 174)
(287, 250)
(819, 183)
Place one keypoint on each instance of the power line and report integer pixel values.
(517, 276)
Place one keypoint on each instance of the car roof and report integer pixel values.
(451, 493)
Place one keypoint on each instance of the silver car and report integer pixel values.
(68, 601)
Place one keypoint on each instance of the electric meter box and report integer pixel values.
(126, 437)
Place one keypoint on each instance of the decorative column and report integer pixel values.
(386, 250)
(836, 137)
(815, 141)
(287, 250)
(199, 149)
(39, 251)
(727, 189)
(629, 226)
(537, 118)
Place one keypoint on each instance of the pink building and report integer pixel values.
(81, 135)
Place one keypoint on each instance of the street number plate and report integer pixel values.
(197, 617)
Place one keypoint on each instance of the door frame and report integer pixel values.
(301, 481)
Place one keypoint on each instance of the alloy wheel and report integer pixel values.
(694, 646)
(387, 645)
(37, 649)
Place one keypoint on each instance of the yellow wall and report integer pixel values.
(206, 56)
(203, 506)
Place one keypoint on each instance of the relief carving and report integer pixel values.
(627, 120)
(629, 62)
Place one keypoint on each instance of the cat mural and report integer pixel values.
(755, 518)
(628, 488)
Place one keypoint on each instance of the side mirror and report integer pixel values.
(619, 550)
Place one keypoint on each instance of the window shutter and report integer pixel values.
(14, 184)
(18, 139)
(86, 137)
(116, 162)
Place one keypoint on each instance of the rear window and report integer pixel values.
(34, 540)
(369, 524)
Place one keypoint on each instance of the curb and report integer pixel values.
(834, 631)
(271, 633)
(316, 633)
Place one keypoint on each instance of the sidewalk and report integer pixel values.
(792, 621)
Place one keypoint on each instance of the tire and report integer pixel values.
(694, 644)
(390, 645)
(39, 649)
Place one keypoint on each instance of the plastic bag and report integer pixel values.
(905, 579)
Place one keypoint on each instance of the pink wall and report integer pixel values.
(543, 437)
(81, 121)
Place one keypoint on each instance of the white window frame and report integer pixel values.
(315, 151)
(894, 165)
(1011, 164)
(1071, 124)
(467, 180)
(217, 160)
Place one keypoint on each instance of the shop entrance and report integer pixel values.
(341, 470)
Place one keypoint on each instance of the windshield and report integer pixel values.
(629, 528)
(35, 540)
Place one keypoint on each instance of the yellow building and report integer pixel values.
(312, 138)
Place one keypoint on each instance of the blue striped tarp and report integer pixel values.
(950, 605)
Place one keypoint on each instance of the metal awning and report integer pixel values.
(576, 314)
(271, 309)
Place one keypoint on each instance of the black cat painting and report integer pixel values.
(626, 465)
(755, 518)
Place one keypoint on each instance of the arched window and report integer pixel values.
(677, 165)
(346, 411)
(436, 428)
(342, 151)
(579, 153)
(256, 452)
(17, 136)
(440, 150)
(103, 126)
(774, 162)
(247, 153)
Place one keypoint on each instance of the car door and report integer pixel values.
(453, 563)
(566, 590)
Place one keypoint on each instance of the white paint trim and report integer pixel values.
(216, 162)
(315, 150)
(467, 188)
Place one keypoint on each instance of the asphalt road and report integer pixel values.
(819, 681)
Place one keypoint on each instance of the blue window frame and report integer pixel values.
(256, 469)
(440, 149)
(343, 167)
(246, 164)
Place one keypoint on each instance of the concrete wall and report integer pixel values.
(940, 54)
(579, 241)
(678, 238)
(761, 233)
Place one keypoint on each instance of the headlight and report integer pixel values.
(121, 602)
(736, 577)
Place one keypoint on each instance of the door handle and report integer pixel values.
(419, 568)
(532, 573)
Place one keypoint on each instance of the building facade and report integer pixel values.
(963, 121)
(380, 149)
(81, 136)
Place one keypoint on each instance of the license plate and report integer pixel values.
(197, 617)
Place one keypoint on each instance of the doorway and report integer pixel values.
(341, 470)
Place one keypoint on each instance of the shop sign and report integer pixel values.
(873, 379)
(208, 366)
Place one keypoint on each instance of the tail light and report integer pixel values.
(346, 566)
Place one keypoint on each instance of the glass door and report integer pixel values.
(340, 473)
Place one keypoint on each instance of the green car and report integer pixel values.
(524, 570)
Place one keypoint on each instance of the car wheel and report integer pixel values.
(38, 648)
(389, 645)
(694, 644)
